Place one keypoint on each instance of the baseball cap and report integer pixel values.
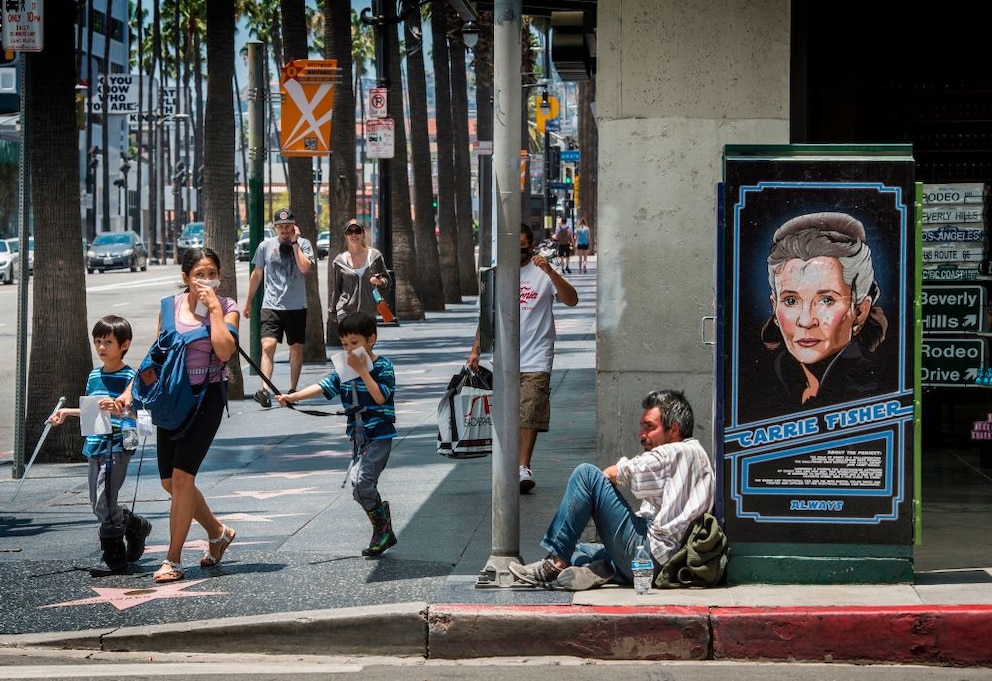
(284, 216)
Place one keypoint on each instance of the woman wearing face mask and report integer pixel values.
(355, 274)
(180, 455)
(825, 322)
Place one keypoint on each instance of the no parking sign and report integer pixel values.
(378, 102)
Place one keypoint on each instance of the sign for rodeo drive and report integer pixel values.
(817, 269)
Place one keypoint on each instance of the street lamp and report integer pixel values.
(121, 182)
(470, 34)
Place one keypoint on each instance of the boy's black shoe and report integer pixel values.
(136, 530)
(262, 397)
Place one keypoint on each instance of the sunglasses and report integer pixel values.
(354, 229)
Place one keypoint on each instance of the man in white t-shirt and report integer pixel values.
(540, 286)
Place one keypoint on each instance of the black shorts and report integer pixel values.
(188, 451)
(274, 323)
(564, 250)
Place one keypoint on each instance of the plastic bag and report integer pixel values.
(464, 415)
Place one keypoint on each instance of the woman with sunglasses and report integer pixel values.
(355, 274)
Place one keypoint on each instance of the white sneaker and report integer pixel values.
(526, 479)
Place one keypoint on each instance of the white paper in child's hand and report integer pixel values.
(345, 372)
(93, 421)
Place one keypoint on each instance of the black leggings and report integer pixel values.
(188, 451)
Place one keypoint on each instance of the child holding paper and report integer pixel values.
(366, 383)
(122, 533)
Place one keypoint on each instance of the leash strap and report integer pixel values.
(272, 386)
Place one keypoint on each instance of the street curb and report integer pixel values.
(398, 629)
(944, 635)
(947, 635)
(600, 632)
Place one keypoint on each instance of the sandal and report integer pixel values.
(227, 535)
(169, 572)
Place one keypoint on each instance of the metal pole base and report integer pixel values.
(496, 575)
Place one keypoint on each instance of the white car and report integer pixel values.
(8, 262)
(14, 245)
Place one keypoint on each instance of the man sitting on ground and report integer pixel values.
(673, 478)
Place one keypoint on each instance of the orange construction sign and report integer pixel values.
(307, 89)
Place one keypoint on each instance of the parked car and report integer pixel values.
(8, 262)
(117, 250)
(14, 245)
(323, 245)
(242, 250)
(191, 237)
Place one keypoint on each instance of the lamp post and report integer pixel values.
(318, 174)
(121, 182)
(92, 163)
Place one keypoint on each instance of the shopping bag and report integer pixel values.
(464, 415)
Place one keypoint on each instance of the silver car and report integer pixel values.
(242, 248)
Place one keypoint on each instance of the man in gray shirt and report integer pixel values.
(282, 262)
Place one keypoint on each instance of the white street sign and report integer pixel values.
(378, 98)
(23, 25)
(380, 137)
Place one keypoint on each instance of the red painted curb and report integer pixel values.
(948, 635)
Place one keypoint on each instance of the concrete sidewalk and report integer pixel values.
(294, 580)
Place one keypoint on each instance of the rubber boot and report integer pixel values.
(136, 530)
(114, 553)
(382, 530)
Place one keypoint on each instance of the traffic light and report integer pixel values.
(434, 204)
(93, 158)
(554, 164)
(568, 174)
(179, 177)
(198, 177)
(7, 57)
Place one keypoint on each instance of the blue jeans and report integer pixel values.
(590, 495)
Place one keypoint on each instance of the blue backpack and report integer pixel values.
(162, 385)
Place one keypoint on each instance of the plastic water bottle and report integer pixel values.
(643, 568)
(129, 429)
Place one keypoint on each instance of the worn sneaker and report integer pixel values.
(526, 479)
(262, 397)
(539, 573)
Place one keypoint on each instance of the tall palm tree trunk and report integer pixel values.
(219, 190)
(60, 357)
(405, 266)
(463, 168)
(301, 200)
(429, 283)
(341, 182)
(446, 220)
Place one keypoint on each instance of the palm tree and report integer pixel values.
(463, 170)
(50, 133)
(447, 222)
(300, 180)
(219, 194)
(588, 162)
(429, 283)
(483, 53)
(405, 266)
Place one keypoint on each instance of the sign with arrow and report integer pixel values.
(952, 362)
(954, 309)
